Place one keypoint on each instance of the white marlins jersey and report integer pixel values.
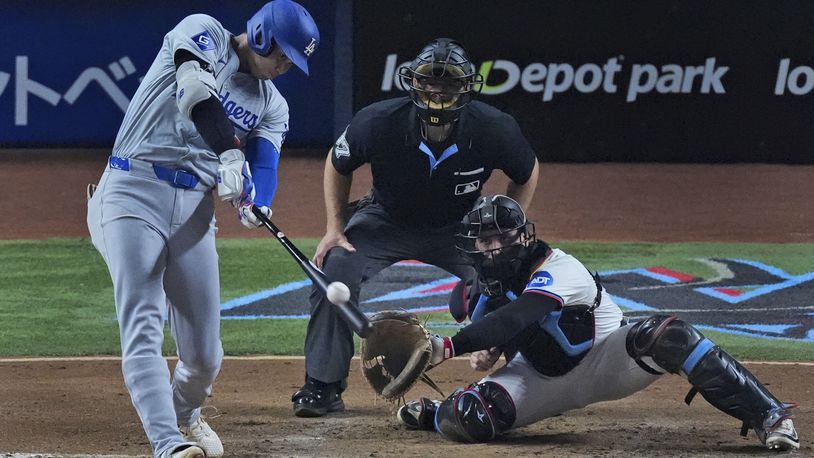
(606, 372)
(155, 130)
(563, 278)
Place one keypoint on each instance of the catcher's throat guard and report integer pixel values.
(396, 353)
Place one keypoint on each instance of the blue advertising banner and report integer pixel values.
(68, 68)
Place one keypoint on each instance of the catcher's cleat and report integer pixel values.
(317, 398)
(186, 451)
(419, 414)
(201, 433)
(781, 437)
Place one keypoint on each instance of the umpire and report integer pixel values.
(430, 155)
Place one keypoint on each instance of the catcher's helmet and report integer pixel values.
(287, 24)
(497, 236)
(441, 81)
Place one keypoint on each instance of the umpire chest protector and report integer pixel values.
(429, 185)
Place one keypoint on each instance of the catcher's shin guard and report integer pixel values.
(677, 347)
(476, 414)
(727, 385)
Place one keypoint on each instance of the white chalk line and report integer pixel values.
(720, 310)
(51, 455)
(281, 358)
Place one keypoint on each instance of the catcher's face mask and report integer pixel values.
(499, 258)
(496, 235)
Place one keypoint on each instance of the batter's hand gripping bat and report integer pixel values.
(357, 320)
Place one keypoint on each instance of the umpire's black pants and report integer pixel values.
(379, 243)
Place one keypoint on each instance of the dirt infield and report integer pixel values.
(83, 407)
(70, 407)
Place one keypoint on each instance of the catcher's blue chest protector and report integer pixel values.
(555, 344)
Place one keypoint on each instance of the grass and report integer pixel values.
(56, 297)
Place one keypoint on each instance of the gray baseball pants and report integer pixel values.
(159, 245)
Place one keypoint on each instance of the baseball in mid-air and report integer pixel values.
(338, 293)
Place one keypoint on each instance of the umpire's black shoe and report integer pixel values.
(316, 398)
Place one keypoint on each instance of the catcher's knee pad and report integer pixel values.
(476, 414)
(672, 344)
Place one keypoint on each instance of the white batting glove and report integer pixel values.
(247, 216)
(442, 349)
(234, 178)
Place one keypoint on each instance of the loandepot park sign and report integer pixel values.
(743, 297)
(551, 79)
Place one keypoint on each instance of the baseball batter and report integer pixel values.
(206, 116)
(568, 345)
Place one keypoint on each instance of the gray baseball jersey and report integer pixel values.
(155, 130)
(158, 240)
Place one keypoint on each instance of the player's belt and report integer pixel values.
(177, 178)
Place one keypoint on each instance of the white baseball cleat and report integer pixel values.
(200, 433)
(781, 438)
(189, 451)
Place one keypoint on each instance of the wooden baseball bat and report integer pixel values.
(357, 320)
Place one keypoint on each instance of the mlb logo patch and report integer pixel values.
(466, 188)
(204, 41)
(541, 279)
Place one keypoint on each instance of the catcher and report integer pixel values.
(567, 345)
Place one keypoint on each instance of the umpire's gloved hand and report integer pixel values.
(247, 216)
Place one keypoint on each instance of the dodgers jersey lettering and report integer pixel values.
(153, 121)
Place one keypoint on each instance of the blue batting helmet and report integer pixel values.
(287, 24)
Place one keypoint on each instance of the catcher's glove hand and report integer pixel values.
(397, 353)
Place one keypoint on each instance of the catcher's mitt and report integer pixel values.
(396, 353)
